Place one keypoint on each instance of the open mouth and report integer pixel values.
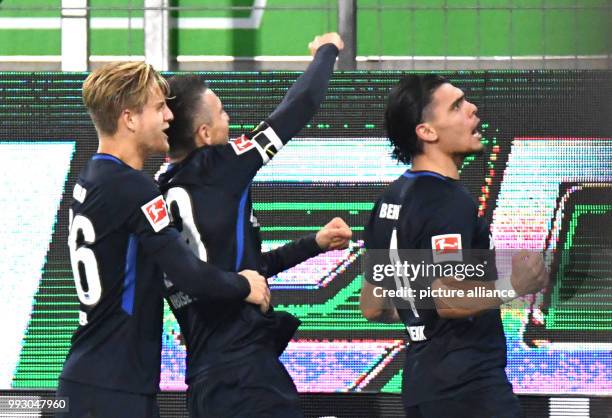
(476, 133)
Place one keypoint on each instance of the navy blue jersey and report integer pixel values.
(209, 195)
(120, 245)
(445, 356)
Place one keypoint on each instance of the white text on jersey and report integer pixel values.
(389, 211)
(417, 333)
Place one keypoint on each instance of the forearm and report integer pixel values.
(305, 96)
(375, 307)
(197, 278)
(461, 299)
(289, 255)
(387, 316)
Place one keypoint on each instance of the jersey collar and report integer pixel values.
(423, 173)
(102, 156)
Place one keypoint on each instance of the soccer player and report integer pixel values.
(233, 368)
(120, 242)
(455, 359)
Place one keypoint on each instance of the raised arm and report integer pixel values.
(305, 96)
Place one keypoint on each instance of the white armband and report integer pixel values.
(505, 289)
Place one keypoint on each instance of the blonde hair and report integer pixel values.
(110, 89)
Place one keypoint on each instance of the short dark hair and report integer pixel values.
(186, 92)
(406, 104)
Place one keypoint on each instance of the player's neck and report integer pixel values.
(444, 165)
(178, 158)
(123, 149)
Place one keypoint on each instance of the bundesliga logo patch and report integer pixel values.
(446, 247)
(156, 213)
(242, 144)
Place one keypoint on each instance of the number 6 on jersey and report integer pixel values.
(83, 260)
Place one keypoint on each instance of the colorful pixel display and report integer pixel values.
(544, 182)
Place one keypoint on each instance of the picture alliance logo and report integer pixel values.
(412, 271)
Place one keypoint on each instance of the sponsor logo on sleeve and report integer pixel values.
(241, 145)
(156, 213)
(266, 142)
(446, 247)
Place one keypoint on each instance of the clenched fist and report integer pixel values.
(334, 236)
(529, 274)
(328, 38)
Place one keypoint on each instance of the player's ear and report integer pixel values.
(127, 118)
(202, 137)
(426, 132)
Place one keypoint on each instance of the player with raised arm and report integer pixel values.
(233, 368)
(456, 355)
(120, 244)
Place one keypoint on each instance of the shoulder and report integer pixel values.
(429, 188)
(191, 170)
(432, 195)
(140, 198)
(436, 204)
(132, 187)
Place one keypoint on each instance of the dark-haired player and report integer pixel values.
(120, 243)
(233, 368)
(456, 355)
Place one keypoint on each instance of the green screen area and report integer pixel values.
(384, 27)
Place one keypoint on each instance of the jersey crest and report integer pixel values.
(446, 247)
(241, 145)
(156, 213)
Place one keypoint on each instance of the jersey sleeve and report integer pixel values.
(150, 222)
(438, 229)
(441, 219)
(304, 98)
(289, 255)
(192, 275)
(237, 162)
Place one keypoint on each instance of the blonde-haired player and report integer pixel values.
(120, 244)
